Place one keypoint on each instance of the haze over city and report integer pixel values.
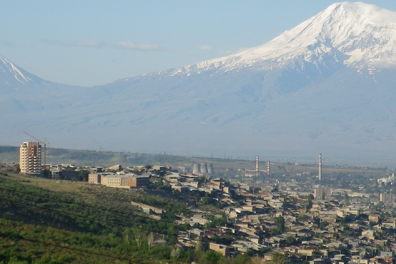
(210, 132)
(279, 80)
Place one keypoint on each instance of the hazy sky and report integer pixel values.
(93, 42)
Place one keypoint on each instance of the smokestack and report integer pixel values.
(268, 168)
(257, 163)
(320, 166)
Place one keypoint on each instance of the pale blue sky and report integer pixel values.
(98, 41)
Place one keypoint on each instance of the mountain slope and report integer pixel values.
(364, 33)
(324, 86)
(16, 81)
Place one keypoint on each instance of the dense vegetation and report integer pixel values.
(69, 211)
(28, 244)
(37, 244)
(43, 221)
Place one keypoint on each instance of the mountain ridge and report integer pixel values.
(316, 92)
(272, 47)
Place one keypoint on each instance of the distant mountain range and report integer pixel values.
(327, 85)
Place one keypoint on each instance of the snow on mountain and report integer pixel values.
(15, 81)
(326, 85)
(353, 33)
(12, 77)
(11, 69)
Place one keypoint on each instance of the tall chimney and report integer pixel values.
(257, 164)
(320, 166)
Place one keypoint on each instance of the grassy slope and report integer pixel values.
(92, 208)
(104, 215)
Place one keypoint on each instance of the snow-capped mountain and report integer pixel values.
(14, 79)
(326, 85)
(23, 92)
(352, 33)
(11, 71)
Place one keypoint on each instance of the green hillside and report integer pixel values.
(50, 221)
(90, 217)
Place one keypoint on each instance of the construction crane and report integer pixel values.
(45, 148)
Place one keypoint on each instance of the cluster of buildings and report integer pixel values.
(322, 193)
(390, 181)
(31, 164)
(325, 231)
(387, 198)
(9, 167)
(187, 182)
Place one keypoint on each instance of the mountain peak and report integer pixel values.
(14, 79)
(362, 11)
(353, 33)
(13, 72)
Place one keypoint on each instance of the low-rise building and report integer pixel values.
(148, 209)
(222, 249)
(119, 181)
(94, 178)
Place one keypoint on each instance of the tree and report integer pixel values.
(256, 190)
(46, 174)
(206, 200)
(138, 236)
(212, 257)
(290, 240)
(346, 199)
(175, 253)
(310, 199)
(83, 175)
(150, 240)
(262, 251)
(280, 224)
(242, 259)
(199, 245)
(302, 217)
(278, 258)
(323, 224)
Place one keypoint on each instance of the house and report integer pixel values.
(374, 218)
(368, 234)
(222, 249)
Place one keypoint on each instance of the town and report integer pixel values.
(302, 219)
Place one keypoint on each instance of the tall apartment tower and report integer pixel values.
(268, 168)
(320, 166)
(30, 158)
(257, 163)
